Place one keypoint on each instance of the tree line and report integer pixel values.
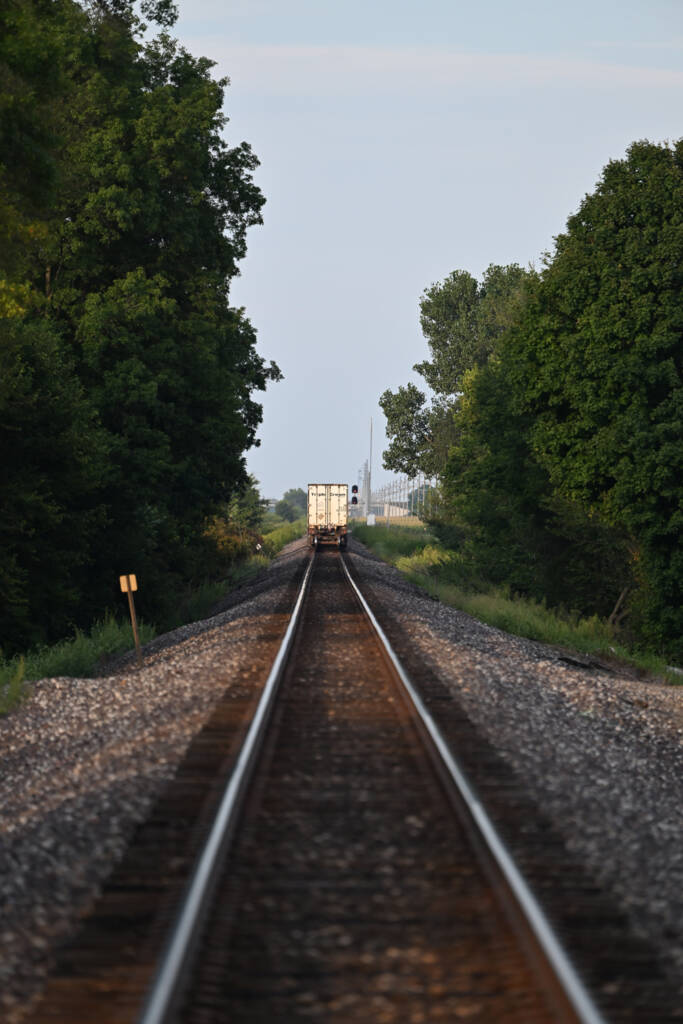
(555, 420)
(127, 379)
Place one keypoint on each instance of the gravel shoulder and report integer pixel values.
(600, 751)
(82, 760)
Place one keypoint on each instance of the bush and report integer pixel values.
(281, 535)
(391, 542)
(237, 557)
(224, 545)
(81, 655)
(448, 576)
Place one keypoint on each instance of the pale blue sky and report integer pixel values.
(398, 142)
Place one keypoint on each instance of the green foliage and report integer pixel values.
(446, 576)
(503, 515)
(126, 393)
(407, 429)
(80, 656)
(420, 435)
(85, 653)
(226, 544)
(199, 602)
(12, 684)
(293, 503)
(564, 476)
(231, 555)
(285, 511)
(270, 521)
(241, 566)
(34, 53)
(297, 497)
(51, 455)
(289, 509)
(281, 535)
(463, 322)
(597, 363)
(247, 508)
(391, 543)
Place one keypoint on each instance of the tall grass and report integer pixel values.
(200, 601)
(445, 576)
(276, 539)
(83, 654)
(12, 676)
(80, 655)
(390, 543)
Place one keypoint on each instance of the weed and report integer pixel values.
(445, 576)
(281, 535)
(79, 656)
(391, 543)
(83, 654)
(199, 603)
(12, 676)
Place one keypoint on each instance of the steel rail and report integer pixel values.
(167, 983)
(571, 984)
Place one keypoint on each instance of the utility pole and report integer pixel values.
(367, 510)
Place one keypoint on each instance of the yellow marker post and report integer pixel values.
(129, 583)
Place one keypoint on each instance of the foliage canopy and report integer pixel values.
(127, 393)
(564, 475)
(599, 358)
(463, 321)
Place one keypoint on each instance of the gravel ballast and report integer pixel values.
(82, 759)
(601, 751)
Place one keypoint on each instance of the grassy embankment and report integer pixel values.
(81, 654)
(420, 557)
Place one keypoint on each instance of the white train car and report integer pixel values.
(328, 514)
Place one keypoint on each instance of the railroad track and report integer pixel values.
(346, 871)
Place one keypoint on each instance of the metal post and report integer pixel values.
(370, 470)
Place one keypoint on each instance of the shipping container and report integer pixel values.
(328, 510)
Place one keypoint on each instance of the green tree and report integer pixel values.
(151, 226)
(34, 83)
(52, 454)
(598, 362)
(407, 428)
(285, 510)
(297, 497)
(449, 321)
(248, 507)
(125, 214)
(463, 322)
(501, 510)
